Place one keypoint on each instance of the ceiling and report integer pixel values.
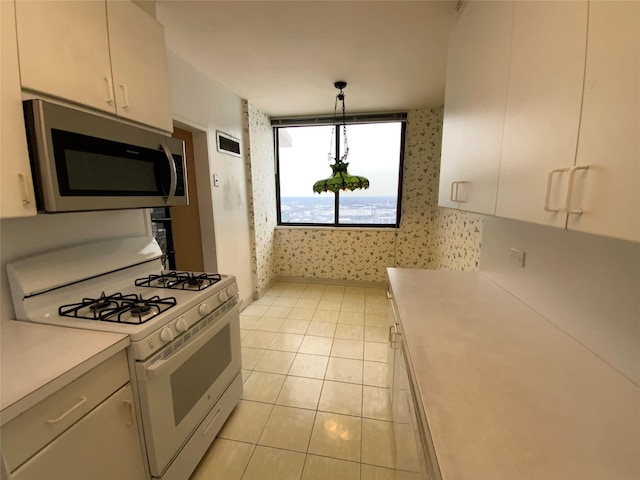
(284, 56)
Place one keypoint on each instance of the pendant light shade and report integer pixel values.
(340, 179)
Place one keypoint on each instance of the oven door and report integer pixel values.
(178, 388)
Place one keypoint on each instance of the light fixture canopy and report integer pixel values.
(341, 179)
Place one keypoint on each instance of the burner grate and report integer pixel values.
(131, 309)
(179, 280)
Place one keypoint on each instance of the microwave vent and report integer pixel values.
(228, 144)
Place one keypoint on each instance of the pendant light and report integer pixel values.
(341, 179)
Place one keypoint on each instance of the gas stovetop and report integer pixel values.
(136, 308)
(115, 286)
(133, 309)
(179, 280)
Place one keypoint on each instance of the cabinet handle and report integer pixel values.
(392, 337)
(83, 399)
(125, 94)
(455, 187)
(109, 90)
(132, 417)
(451, 196)
(547, 193)
(572, 173)
(206, 428)
(26, 197)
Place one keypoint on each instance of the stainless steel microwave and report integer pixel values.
(83, 162)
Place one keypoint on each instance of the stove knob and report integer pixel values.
(203, 309)
(166, 335)
(222, 296)
(181, 325)
(230, 292)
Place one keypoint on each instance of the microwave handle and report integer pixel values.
(174, 174)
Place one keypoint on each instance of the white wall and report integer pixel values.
(587, 285)
(22, 237)
(202, 103)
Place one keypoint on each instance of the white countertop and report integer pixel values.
(507, 394)
(37, 360)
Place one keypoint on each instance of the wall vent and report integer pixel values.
(228, 144)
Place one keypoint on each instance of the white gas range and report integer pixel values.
(184, 331)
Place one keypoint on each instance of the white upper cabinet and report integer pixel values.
(608, 193)
(16, 194)
(542, 114)
(139, 63)
(476, 91)
(64, 51)
(570, 134)
(109, 56)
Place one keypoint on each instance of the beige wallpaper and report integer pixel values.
(428, 237)
(259, 157)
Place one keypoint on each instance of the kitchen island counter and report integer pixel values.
(506, 393)
(37, 360)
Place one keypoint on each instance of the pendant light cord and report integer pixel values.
(345, 144)
(332, 158)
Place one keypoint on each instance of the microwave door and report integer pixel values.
(98, 174)
(84, 162)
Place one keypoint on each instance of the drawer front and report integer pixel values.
(32, 430)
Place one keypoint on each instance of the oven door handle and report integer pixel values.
(160, 368)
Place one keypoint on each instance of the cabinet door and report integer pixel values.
(64, 51)
(543, 108)
(139, 62)
(16, 193)
(476, 92)
(608, 192)
(104, 445)
(409, 450)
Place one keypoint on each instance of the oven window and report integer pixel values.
(194, 377)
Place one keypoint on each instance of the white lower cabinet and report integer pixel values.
(103, 445)
(411, 445)
(87, 429)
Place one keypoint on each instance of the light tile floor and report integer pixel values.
(316, 402)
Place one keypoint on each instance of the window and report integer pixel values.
(375, 152)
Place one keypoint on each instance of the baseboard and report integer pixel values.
(331, 281)
(258, 294)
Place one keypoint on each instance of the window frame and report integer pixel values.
(350, 120)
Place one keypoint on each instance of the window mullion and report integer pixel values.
(336, 204)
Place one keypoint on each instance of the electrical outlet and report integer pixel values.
(516, 257)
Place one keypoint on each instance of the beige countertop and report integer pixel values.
(37, 360)
(507, 394)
